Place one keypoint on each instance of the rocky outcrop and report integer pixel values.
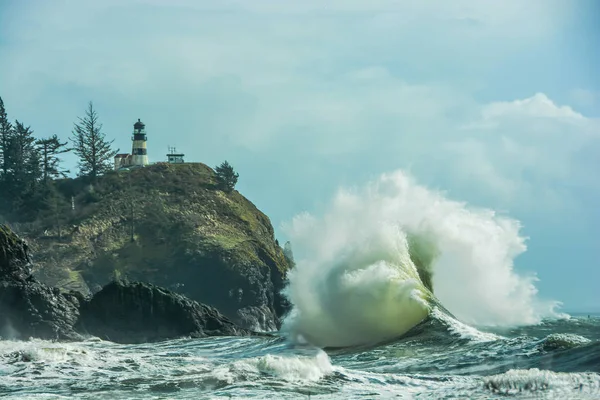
(171, 226)
(121, 312)
(14, 257)
(29, 308)
(140, 312)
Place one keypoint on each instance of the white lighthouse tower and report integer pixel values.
(139, 153)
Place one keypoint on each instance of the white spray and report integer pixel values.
(357, 279)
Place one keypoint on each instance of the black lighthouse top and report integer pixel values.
(139, 125)
(139, 131)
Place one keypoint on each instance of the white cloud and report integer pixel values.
(528, 149)
(537, 106)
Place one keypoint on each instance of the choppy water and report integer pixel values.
(440, 358)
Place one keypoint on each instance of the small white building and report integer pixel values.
(173, 157)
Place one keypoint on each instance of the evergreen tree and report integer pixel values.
(22, 177)
(226, 177)
(89, 143)
(5, 135)
(5, 140)
(50, 205)
(24, 157)
(49, 150)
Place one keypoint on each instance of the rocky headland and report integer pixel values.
(167, 225)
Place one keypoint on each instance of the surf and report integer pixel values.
(382, 257)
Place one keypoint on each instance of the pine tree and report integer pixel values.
(22, 177)
(89, 143)
(5, 135)
(6, 132)
(226, 177)
(49, 150)
(25, 166)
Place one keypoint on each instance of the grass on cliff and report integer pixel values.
(173, 211)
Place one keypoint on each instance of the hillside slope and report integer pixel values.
(168, 225)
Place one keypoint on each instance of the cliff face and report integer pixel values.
(27, 307)
(140, 313)
(122, 312)
(168, 225)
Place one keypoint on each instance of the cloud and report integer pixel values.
(585, 97)
(527, 149)
(537, 106)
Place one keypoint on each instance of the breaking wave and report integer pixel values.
(367, 269)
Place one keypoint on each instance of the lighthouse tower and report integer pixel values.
(139, 155)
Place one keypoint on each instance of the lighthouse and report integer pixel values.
(139, 154)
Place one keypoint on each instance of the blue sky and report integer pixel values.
(495, 103)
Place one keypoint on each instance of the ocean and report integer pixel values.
(440, 358)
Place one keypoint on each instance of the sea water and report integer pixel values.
(556, 359)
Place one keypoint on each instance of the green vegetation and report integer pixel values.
(147, 221)
(31, 171)
(90, 144)
(49, 149)
(226, 176)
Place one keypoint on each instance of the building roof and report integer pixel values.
(123, 155)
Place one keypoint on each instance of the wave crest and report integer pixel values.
(366, 268)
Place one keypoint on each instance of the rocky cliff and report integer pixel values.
(171, 226)
(122, 312)
(28, 307)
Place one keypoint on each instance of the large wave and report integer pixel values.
(366, 269)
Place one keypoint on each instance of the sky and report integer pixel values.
(495, 103)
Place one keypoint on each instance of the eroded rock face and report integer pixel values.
(14, 258)
(29, 308)
(140, 312)
(120, 312)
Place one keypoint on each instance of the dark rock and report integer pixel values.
(29, 308)
(259, 318)
(14, 257)
(139, 312)
(120, 312)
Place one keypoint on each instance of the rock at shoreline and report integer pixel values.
(29, 308)
(140, 312)
(120, 312)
